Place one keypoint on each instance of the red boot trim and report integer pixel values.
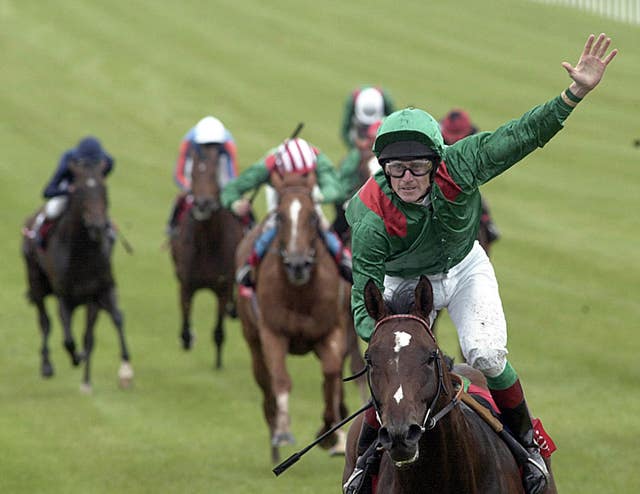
(543, 439)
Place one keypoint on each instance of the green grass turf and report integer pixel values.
(139, 74)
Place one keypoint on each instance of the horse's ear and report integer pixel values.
(373, 301)
(424, 297)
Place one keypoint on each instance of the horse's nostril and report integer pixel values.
(414, 433)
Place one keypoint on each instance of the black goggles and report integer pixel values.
(417, 168)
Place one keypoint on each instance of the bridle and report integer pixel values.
(430, 420)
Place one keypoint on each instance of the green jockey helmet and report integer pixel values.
(409, 133)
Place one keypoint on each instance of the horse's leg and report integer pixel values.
(186, 294)
(46, 368)
(69, 343)
(110, 304)
(262, 377)
(218, 331)
(92, 316)
(331, 352)
(351, 453)
(275, 352)
(356, 361)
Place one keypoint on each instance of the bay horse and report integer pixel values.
(76, 269)
(204, 247)
(299, 306)
(432, 441)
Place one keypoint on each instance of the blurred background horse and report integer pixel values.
(203, 248)
(299, 305)
(76, 268)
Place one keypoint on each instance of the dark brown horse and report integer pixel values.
(432, 441)
(299, 306)
(76, 268)
(204, 247)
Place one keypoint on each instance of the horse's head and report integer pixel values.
(405, 368)
(88, 196)
(298, 224)
(205, 187)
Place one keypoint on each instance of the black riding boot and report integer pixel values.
(535, 475)
(367, 464)
(345, 268)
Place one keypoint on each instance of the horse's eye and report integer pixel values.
(430, 359)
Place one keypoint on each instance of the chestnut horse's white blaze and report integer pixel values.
(294, 214)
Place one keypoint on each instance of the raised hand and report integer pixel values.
(590, 68)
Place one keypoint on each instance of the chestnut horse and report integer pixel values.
(204, 247)
(299, 305)
(76, 269)
(432, 441)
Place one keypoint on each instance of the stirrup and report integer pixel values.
(535, 476)
(354, 482)
(345, 269)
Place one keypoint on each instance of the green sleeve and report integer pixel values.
(346, 120)
(328, 180)
(253, 177)
(370, 249)
(481, 157)
(389, 106)
(348, 173)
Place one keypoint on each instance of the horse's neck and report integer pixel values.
(70, 226)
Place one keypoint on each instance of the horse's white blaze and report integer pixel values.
(402, 340)
(91, 182)
(399, 395)
(294, 213)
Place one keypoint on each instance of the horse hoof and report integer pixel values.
(77, 359)
(47, 370)
(125, 375)
(340, 447)
(328, 442)
(283, 439)
(85, 388)
(187, 341)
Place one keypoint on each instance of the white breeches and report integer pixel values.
(55, 206)
(469, 292)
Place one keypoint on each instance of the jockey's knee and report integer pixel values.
(55, 206)
(490, 361)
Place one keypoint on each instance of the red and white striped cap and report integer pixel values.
(295, 156)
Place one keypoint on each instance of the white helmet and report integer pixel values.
(209, 130)
(369, 106)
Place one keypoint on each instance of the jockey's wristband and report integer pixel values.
(569, 98)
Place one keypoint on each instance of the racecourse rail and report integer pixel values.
(620, 10)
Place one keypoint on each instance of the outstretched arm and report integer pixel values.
(590, 68)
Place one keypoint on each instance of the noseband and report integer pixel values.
(429, 421)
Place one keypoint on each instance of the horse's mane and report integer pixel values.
(402, 299)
